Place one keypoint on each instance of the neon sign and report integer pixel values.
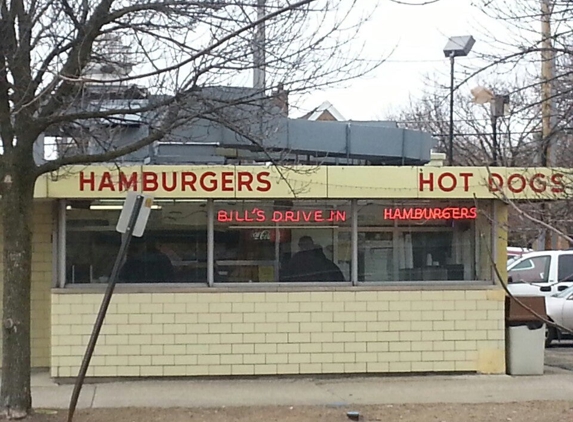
(257, 215)
(448, 213)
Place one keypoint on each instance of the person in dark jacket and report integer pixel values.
(311, 264)
(147, 265)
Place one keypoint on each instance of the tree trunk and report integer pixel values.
(17, 210)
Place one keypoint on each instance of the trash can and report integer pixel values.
(525, 336)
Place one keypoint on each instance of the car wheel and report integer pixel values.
(550, 335)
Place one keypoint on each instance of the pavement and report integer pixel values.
(555, 384)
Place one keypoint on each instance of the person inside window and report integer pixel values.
(311, 264)
(146, 264)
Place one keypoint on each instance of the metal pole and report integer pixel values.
(125, 241)
(354, 243)
(210, 242)
(259, 49)
(451, 135)
(61, 256)
(494, 136)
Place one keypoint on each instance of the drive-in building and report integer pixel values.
(399, 278)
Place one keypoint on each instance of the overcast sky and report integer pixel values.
(417, 34)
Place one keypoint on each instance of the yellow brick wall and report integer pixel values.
(263, 333)
(41, 283)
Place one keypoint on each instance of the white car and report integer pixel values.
(541, 273)
(559, 310)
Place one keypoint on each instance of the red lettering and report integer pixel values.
(188, 180)
(277, 217)
(164, 184)
(227, 181)
(87, 180)
(264, 182)
(248, 218)
(306, 216)
(127, 183)
(448, 213)
(208, 181)
(452, 185)
(224, 217)
(150, 183)
(289, 216)
(260, 215)
(318, 216)
(244, 180)
(466, 177)
(340, 215)
(238, 219)
(495, 182)
(519, 188)
(429, 182)
(538, 187)
(106, 182)
(557, 180)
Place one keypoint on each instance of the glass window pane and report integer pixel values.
(415, 240)
(282, 241)
(172, 250)
(533, 270)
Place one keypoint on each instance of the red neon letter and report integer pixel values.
(223, 217)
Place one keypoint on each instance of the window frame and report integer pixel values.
(355, 229)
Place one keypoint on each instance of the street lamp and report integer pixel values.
(456, 47)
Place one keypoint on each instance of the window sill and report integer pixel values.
(278, 287)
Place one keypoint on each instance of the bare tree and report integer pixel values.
(68, 67)
(516, 131)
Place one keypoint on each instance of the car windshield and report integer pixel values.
(565, 293)
(511, 259)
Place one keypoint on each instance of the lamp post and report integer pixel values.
(456, 47)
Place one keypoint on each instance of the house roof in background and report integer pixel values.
(322, 112)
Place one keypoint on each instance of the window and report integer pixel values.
(565, 268)
(172, 250)
(416, 241)
(282, 241)
(532, 270)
